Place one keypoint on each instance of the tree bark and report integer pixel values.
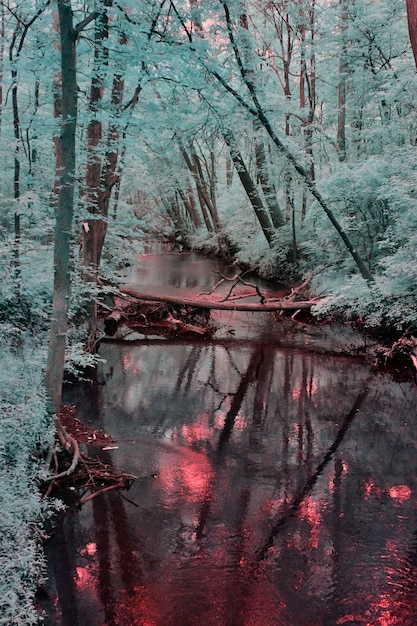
(412, 26)
(64, 211)
(224, 305)
(271, 200)
(341, 90)
(249, 186)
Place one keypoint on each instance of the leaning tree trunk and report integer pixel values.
(249, 186)
(64, 212)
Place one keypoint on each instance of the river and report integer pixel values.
(277, 478)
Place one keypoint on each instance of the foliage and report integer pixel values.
(25, 434)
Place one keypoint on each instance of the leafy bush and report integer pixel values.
(25, 433)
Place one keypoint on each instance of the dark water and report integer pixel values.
(277, 484)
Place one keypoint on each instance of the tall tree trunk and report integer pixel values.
(412, 26)
(64, 211)
(341, 90)
(16, 45)
(57, 96)
(203, 196)
(270, 196)
(2, 50)
(189, 207)
(308, 82)
(92, 231)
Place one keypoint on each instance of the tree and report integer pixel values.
(412, 26)
(65, 205)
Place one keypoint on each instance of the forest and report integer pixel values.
(280, 135)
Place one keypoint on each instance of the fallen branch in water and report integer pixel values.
(69, 444)
(269, 305)
(236, 279)
(86, 476)
(401, 350)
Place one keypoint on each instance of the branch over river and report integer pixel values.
(226, 305)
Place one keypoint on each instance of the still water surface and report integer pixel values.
(277, 484)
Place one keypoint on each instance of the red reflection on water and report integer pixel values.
(130, 364)
(368, 487)
(309, 510)
(89, 550)
(85, 578)
(186, 474)
(310, 390)
(401, 493)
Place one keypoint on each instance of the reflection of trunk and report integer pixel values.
(62, 556)
(186, 373)
(263, 386)
(249, 186)
(305, 491)
(248, 377)
(111, 525)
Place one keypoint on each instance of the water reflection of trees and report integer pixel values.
(281, 479)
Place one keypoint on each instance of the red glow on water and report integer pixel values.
(368, 488)
(310, 390)
(130, 364)
(185, 475)
(85, 578)
(89, 550)
(310, 511)
(401, 493)
(197, 431)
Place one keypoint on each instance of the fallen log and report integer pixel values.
(224, 305)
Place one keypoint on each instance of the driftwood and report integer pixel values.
(86, 477)
(401, 351)
(225, 305)
(157, 316)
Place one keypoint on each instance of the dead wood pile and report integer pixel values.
(72, 471)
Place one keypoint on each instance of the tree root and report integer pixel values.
(68, 443)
